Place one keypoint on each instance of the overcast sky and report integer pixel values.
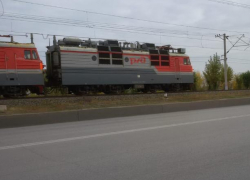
(199, 43)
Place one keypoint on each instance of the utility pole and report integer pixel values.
(224, 37)
(225, 61)
(31, 38)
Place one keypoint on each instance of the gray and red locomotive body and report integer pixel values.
(111, 65)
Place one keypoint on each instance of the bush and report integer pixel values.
(246, 79)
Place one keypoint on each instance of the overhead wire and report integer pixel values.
(124, 17)
(227, 62)
(231, 3)
(107, 26)
(101, 38)
(110, 29)
(227, 58)
(46, 34)
(190, 46)
(156, 34)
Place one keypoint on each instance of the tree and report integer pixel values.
(230, 74)
(237, 81)
(198, 81)
(246, 79)
(212, 72)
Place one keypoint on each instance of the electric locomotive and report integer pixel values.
(110, 65)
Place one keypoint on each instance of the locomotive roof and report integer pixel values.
(178, 54)
(67, 48)
(136, 52)
(17, 45)
(88, 49)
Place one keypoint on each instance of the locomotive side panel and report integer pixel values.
(79, 68)
(2, 67)
(112, 76)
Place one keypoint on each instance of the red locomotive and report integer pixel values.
(20, 69)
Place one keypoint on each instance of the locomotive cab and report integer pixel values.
(20, 69)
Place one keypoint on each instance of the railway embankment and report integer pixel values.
(38, 111)
(49, 104)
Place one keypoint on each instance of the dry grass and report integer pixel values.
(89, 102)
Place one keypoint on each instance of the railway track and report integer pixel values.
(100, 95)
(74, 96)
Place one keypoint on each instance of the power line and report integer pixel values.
(124, 17)
(48, 35)
(99, 23)
(231, 3)
(51, 20)
(234, 62)
(189, 46)
(111, 29)
(207, 57)
(90, 23)
(108, 28)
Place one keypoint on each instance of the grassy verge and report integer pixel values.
(91, 102)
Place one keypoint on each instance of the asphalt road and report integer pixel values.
(209, 144)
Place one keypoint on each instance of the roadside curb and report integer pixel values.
(10, 121)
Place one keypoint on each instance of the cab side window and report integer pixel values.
(185, 61)
(34, 54)
(27, 54)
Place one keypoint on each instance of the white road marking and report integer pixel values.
(115, 133)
